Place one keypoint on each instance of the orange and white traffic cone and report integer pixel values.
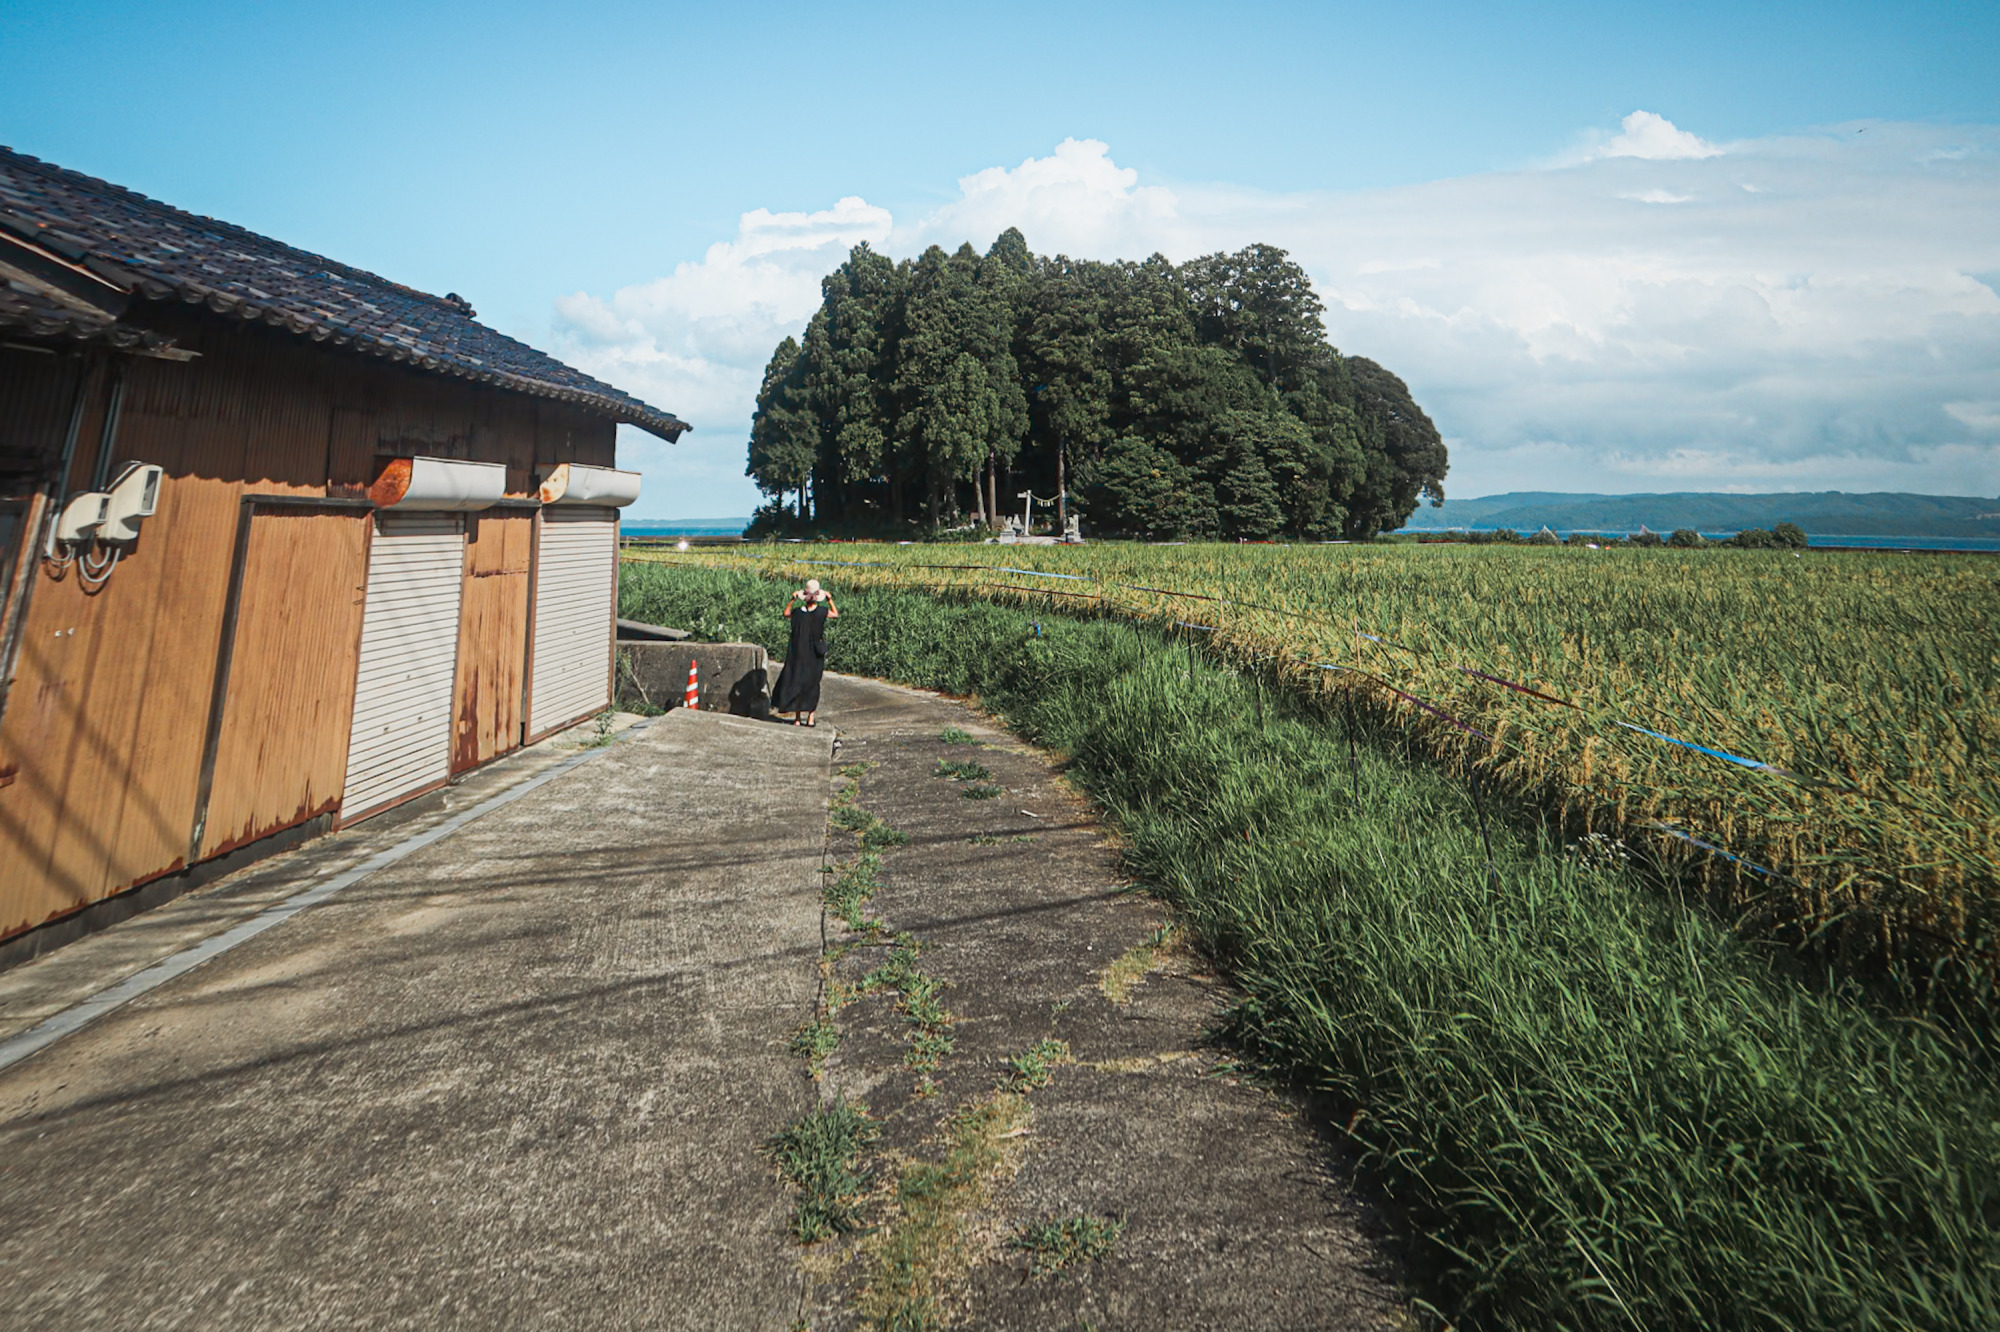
(693, 700)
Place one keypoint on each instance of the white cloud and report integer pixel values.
(697, 342)
(1813, 312)
(1981, 416)
(1644, 134)
(1074, 201)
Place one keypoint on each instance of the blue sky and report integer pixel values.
(1740, 290)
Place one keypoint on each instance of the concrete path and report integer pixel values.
(522, 1077)
(519, 1079)
(1235, 1209)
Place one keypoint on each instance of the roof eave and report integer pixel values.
(665, 427)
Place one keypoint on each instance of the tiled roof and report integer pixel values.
(38, 316)
(161, 253)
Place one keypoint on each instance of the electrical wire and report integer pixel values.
(94, 575)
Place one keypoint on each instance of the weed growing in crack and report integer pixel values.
(1127, 970)
(917, 996)
(1053, 1245)
(982, 791)
(1032, 1070)
(820, 1154)
(928, 1047)
(879, 835)
(917, 1256)
(962, 770)
(952, 735)
(847, 893)
(852, 818)
(814, 1042)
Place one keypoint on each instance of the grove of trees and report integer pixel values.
(1193, 401)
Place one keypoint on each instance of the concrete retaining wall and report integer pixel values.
(734, 677)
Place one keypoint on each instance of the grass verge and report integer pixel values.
(1590, 1106)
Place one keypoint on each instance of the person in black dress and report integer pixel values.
(805, 657)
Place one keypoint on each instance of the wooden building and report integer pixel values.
(282, 545)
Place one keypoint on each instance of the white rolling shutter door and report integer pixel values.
(575, 557)
(401, 740)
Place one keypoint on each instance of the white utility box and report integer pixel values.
(80, 519)
(134, 496)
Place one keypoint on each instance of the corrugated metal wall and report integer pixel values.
(280, 743)
(37, 390)
(107, 723)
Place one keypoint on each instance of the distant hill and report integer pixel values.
(1821, 513)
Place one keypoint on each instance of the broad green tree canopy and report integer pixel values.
(1170, 402)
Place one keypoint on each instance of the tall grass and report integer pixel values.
(1593, 1108)
(1874, 679)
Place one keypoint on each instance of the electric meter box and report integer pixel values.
(81, 518)
(134, 496)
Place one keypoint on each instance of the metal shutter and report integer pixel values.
(401, 739)
(575, 559)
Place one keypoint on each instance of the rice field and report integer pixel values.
(1849, 699)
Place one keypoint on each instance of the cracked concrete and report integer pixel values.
(1236, 1208)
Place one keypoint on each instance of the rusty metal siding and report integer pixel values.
(575, 560)
(279, 752)
(492, 636)
(401, 739)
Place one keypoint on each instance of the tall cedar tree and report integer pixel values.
(1195, 401)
